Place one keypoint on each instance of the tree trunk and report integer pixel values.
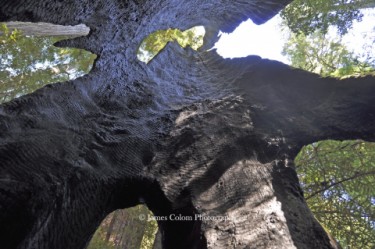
(111, 226)
(207, 143)
(141, 226)
(47, 29)
(157, 241)
(124, 222)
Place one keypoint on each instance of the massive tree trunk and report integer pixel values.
(190, 133)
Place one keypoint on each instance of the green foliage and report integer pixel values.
(27, 63)
(155, 42)
(323, 55)
(338, 179)
(307, 16)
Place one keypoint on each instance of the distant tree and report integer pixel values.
(98, 241)
(29, 62)
(125, 229)
(338, 179)
(149, 235)
(326, 56)
(307, 16)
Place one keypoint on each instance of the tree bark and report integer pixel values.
(111, 226)
(47, 29)
(157, 241)
(190, 134)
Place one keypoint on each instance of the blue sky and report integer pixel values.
(267, 40)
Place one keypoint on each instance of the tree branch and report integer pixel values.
(356, 175)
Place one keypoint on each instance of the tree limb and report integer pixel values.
(356, 175)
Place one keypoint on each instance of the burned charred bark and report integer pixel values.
(189, 134)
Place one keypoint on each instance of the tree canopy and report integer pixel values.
(319, 53)
(156, 41)
(307, 16)
(29, 62)
(338, 179)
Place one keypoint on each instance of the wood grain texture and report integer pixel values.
(47, 29)
(190, 133)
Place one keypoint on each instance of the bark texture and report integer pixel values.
(47, 29)
(188, 134)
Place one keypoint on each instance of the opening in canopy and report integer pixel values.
(156, 41)
(29, 60)
(127, 228)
